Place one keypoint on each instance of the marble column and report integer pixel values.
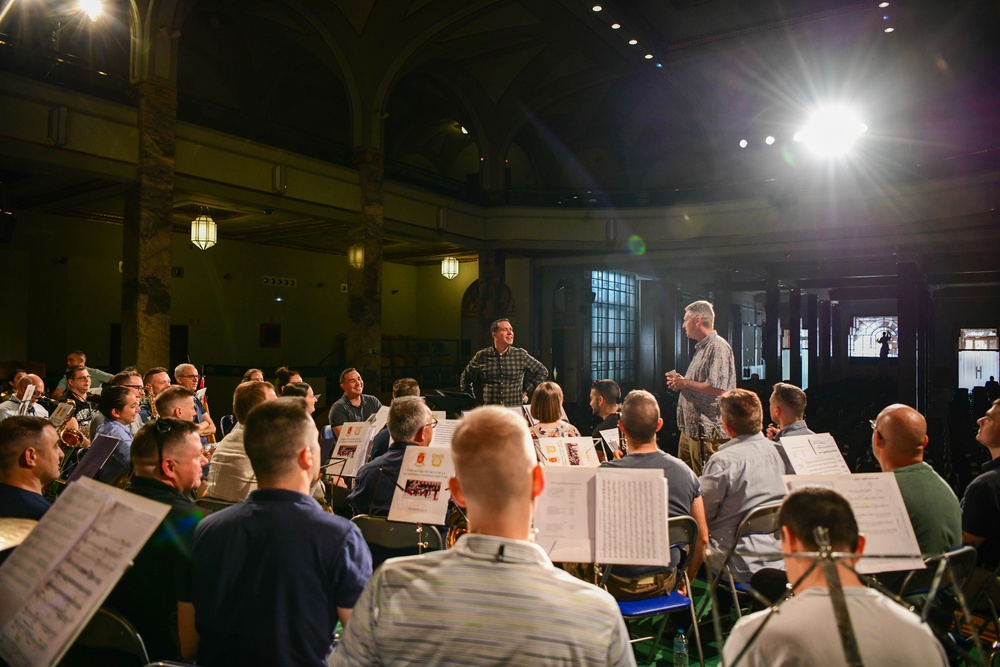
(363, 345)
(146, 242)
(771, 333)
(907, 298)
(723, 296)
(825, 354)
(795, 337)
(838, 336)
(812, 326)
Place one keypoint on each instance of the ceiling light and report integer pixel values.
(832, 131)
(769, 140)
(449, 267)
(92, 8)
(649, 56)
(883, 5)
(633, 42)
(597, 8)
(659, 65)
(278, 299)
(356, 256)
(464, 131)
(615, 26)
(743, 143)
(889, 30)
(204, 232)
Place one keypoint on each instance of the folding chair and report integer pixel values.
(108, 639)
(327, 433)
(980, 593)
(226, 424)
(682, 534)
(388, 539)
(761, 520)
(213, 504)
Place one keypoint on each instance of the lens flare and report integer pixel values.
(636, 245)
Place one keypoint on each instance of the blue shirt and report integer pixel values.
(269, 575)
(375, 483)
(120, 461)
(18, 503)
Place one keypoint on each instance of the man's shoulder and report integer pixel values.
(163, 493)
(21, 503)
(367, 400)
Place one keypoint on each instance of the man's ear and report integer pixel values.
(537, 481)
(305, 458)
(659, 424)
(456, 491)
(861, 544)
(30, 457)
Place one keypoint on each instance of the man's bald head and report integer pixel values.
(900, 436)
(494, 459)
(30, 379)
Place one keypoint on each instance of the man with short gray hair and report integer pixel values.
(410, 423)
(490, 599)
(711, 373)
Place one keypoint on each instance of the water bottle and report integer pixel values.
(680, 649)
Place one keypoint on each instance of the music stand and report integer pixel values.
(98, 453)
(454, 403)
(326, 450)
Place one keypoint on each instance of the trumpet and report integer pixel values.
(147, 390)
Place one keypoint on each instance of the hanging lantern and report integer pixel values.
(204, 232)
(449, 267)
(356, 256)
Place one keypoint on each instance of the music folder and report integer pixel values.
(98, 453)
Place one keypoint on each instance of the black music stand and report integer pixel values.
(97, 457)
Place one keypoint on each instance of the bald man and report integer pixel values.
(898, 442)
(11, 407)
(488, 600)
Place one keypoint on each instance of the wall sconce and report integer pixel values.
(356, 256)
(204, 232)
(449, 267)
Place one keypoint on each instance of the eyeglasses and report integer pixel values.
(82, 377)
(137, 387)
(433, 424)
(196, 377)
(161, 428)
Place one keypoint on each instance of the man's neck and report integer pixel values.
(785, 424)
(292, 483)
(25, 482)
(354, 401)
(643, 448)
(607, 410)
(501, 347)
(817, 578)
(78, 396)
(994, 452)
(512, 525)
(703, 334)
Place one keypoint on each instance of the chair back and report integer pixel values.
(761, 520)
(396, 534)
(327, 433)
(226, 424)
(107, 637)
(213, 504)
(682, 533)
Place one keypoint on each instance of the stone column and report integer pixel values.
(146, 249)
(838, 335)
(363, 345)
(493, 297)
(825, 354)
(795, 337)
(907, 296)
(771, 332)
(812, 326)
(668, 333)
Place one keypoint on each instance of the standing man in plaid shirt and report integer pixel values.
(507, 374)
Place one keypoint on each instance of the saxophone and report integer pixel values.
(147, 390)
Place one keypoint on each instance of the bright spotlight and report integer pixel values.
(769, 140)
(743, 143)
(464, 131)
(92, 8)
(832, 131)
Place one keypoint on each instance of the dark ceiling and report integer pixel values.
(549, 90)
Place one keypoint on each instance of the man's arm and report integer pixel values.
(701, 543)
(968, 539)
(187, 633)
(470, 375)
(714, 485)
(206, 427)
(357, 642)
(680, 383)
(535, 373)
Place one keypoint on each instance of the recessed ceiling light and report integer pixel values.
(649, 56)
(464, 131)
(597, 8)
(615, 26)
(889, 30)
(883, 5)
(769, 140)
(743, 143)
(633, 42)
(659, 65)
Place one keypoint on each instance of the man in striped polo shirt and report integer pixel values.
(495, 598)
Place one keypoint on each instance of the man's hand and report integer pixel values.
(772, 431)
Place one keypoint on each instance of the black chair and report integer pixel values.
(226, 424)
(389, 539)
(107, 640)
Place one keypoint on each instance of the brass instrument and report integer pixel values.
(458, 525)
(152, 403)
(70, 437)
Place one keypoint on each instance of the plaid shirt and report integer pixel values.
(699, 414)
(505, 378)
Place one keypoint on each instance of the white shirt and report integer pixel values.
(230, 475)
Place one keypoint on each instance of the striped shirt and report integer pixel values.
(487, 601)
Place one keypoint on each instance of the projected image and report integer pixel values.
(873, 337)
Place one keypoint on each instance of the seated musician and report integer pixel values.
(12, 406)
(410, 423)
(546, 407)
(401, 387)
(640, 420)
(131, 380)
(804, 630)
(29, 461)
(120, 407)
(230, 475)
(494, 598)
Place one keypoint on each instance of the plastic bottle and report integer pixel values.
(680, 649)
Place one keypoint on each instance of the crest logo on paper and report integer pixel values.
(437, 460)
(420, 459)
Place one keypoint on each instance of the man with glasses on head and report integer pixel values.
(507, 374)
(410, 423)
(167, 461)
(187, 376)
(353, 406)
(78, 358)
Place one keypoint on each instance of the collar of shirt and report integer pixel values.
(991, 464)
(740, 439)
(500, 549)
(799, 425)
(704, 341)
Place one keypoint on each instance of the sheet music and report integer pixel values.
(631, 521)
(55, 581)
(61, 414)
(612, 436)
(579, 451)
(591, 515)
(563, 517)
(22, 409)
(816, 454)
(422, 492)
(881, 515)
(352, 446)
(379, 419)
(443, 431)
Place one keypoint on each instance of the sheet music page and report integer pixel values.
(61, 414)
(423, 477)
(881, 515)
(22, 409)
(439, 415)
(443, 431)
(631, 517)
(554, 454)
(379, 419)
(77, 579)
(612, 436)
(816, 454)
(564, 516)
(350, 445)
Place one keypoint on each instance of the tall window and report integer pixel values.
(612, 349)
(873, 337)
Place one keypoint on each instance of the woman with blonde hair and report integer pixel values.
(546, 408)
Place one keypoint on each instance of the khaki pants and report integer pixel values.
(689, 450)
